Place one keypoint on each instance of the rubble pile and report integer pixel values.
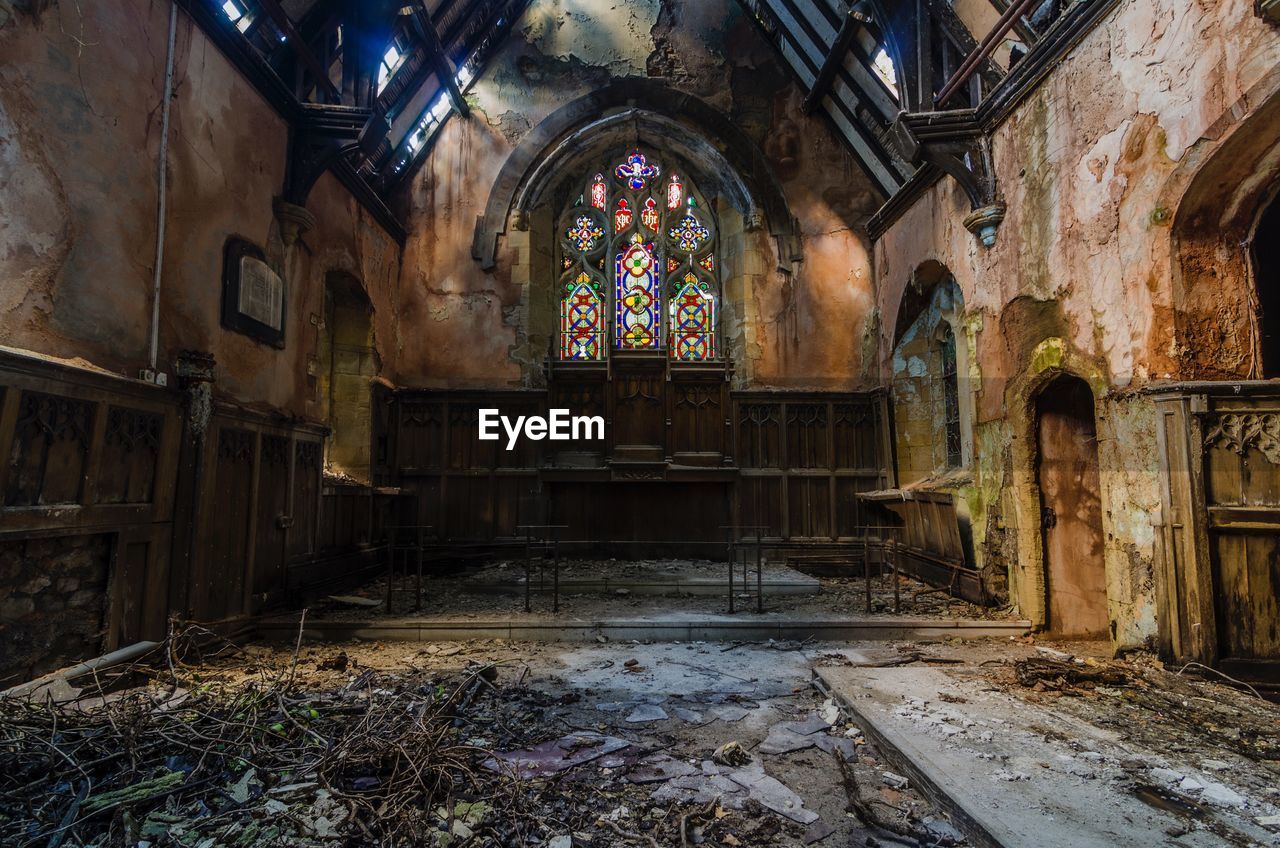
(463, 746)
(185, 761)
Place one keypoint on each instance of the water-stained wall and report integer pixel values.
(1113, 264)
(810, 325)
(81, 87)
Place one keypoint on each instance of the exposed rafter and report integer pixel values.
(426, 31)
(835, 58)
(300, 48)
(820, 42)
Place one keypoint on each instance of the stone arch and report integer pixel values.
(1220, 195)
(348, 364)
(931, 301)
(1051, 359)
(643, 110)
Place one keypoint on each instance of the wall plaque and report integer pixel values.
(253, 295)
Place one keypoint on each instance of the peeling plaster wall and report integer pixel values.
(1085, 276)
(461, 326)
(80, 91)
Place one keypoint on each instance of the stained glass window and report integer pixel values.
(693, 321)
(646, 226)
(582, 319)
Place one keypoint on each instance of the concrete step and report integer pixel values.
(676, 627)
(987, 759)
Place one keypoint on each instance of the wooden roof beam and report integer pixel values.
(834, 59)
(426, 31)
(300, 48)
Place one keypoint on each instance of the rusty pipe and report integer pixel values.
(983, 50)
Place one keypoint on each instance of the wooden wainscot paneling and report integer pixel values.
(804, 458)
(467, 490)
(88, 475)
(259, 505)
(682, 457)
(1220, 535)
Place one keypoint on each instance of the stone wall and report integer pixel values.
(1088, 274)
(813, 325)
(80, 92)
(53, 604)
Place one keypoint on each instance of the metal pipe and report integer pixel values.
(759, 579)
(983, 50)
(154, 346)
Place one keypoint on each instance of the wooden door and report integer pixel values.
(1071, 509)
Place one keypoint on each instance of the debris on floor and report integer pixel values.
(470, 745)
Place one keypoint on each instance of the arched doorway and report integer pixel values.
(1266, 278)
(1071, 509)
(348, 363)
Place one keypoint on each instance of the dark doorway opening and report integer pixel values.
(1266, 275)
(1071, 509)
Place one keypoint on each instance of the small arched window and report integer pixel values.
(950, 395)
(638, 269)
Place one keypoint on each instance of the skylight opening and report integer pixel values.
(391, 61)
(237, 14)
(882, 64)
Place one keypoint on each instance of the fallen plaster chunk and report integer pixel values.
(1268, 821)
(817, 832)
(943, 831)
(809, 726)
(1190, 784)
(1165, 776)
(556, 755)
(687, 715)
(783, 740)
(1222, 796)
(660, 767)
(772, 794)
(645, 713)
(1011, 776)
(897, 781)
(728, 712)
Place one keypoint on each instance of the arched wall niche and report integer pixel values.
(931, 392)
(1215, 281)
(348, 363)
(727, 162)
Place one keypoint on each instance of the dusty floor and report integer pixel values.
(497, 589)
(598, 745)
(494, 743)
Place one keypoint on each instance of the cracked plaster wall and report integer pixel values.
(461, 326)
(1085, 273)
(80, 91)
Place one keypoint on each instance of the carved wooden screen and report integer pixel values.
(803, 460)
(1242, 495)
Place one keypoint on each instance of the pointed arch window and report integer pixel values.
(638, 269)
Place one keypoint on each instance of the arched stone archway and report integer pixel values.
(1215, 282)
(641, 110)
(928, 368)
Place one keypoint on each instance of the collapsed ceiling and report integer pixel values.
(367, 86)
